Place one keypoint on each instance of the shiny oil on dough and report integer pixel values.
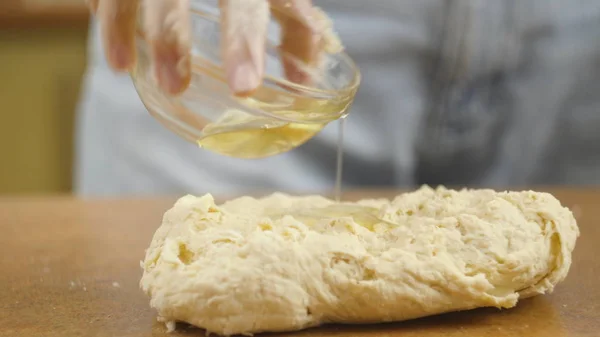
(235, 268)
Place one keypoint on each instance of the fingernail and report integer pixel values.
(172, 73)
(244, 78)
(166, 78)
(294, 74)
(121, 57)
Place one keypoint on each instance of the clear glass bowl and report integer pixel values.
(276, 118)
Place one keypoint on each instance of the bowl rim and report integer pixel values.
(281, 81)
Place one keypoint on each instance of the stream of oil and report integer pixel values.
(337, 189)
(365, 216)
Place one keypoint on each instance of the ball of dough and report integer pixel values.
(284, 263)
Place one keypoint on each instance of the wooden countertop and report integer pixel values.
(71, 268)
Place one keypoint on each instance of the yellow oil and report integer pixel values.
(262, 142)
(364, 216)
(337, 188)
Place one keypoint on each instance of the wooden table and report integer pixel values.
(71, 268)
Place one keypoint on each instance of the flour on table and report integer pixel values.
(254, 265)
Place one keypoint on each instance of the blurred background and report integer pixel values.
(516, 102)
(42, 60)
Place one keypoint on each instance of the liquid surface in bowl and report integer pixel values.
(262, 142)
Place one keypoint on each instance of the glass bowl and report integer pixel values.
(279, 116)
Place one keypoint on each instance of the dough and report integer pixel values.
(286, 263)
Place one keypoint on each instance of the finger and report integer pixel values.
(305, 33)
(299, 36)
(167, 26)
(244, 26)
(93, 5)
(118, 21)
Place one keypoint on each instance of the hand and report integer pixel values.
(244, 28)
